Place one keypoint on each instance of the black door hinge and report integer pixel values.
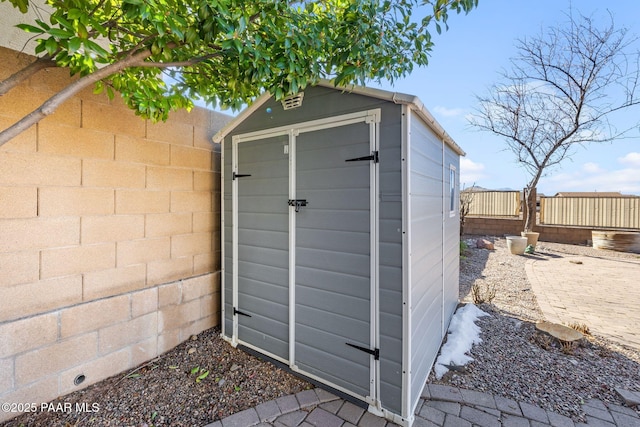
(373, 156)
(236, 311)
(375, 352)
(239, 175)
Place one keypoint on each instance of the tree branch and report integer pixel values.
(51, 104)
(23, 74)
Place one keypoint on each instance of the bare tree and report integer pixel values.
(466, 198)
(560, 92)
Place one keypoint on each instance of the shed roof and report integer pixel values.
(411, 101)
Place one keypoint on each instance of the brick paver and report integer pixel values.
(596, 293)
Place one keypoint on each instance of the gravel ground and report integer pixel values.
(510, 362)
(516, 362)
(165, 392)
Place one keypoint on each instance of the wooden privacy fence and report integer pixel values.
(607, 212)
(494, 203)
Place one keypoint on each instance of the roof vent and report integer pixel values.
(292, 101)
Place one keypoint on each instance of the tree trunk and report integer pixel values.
(530, 198)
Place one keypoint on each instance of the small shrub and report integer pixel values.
(481, 296)
(463, 248)
(568, 347)
(580, 327)
(542, 340)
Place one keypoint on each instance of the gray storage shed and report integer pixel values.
(340, 233)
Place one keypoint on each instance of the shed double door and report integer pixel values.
(305, 252)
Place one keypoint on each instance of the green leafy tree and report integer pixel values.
(224, 51)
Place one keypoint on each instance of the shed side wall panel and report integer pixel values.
(451, 238)
(425, 192)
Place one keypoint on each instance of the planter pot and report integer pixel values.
(516, 244)
(622, 241)
(532, 237)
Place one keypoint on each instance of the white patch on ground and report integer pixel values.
(463, 334)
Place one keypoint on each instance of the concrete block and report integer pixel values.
(169, 178)
(205, 221)
(21, 100)
(93, 315)
(144, 351)
(24, 234)
(178, 316)
(113, 118)
(191, 201)
(75, 201)
(205, 263)
(26, 141)
(39, 392)
(198, 326)
(18, 202)
(19, 268)
(28, 334)
(202, 136)
(210, 305)
(171, 131)
(169, 294)
(6, 379)
(168, 340)
(196, 287)
(17, 168)
(168, 224)
(57, 139)
(190, 244)
(142, 201)
(169, 270)
(94, 371)
(77, 259)
(204, 181)
(123, 334)
(54, 358)
(190, 157)
(143, 302)
(40, 296)
(111, 228)
(143, 250)
(111, 174)
(114, 281)
(68, 113)
(139, 150)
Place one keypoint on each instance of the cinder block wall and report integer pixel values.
(109, 237)
(513, 226)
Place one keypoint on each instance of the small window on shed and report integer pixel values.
(452, 191)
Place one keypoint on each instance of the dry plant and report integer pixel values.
(567, 347)
(481, 296)
(580, 327)
(542, 340)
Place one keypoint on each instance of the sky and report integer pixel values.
(466, 61)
